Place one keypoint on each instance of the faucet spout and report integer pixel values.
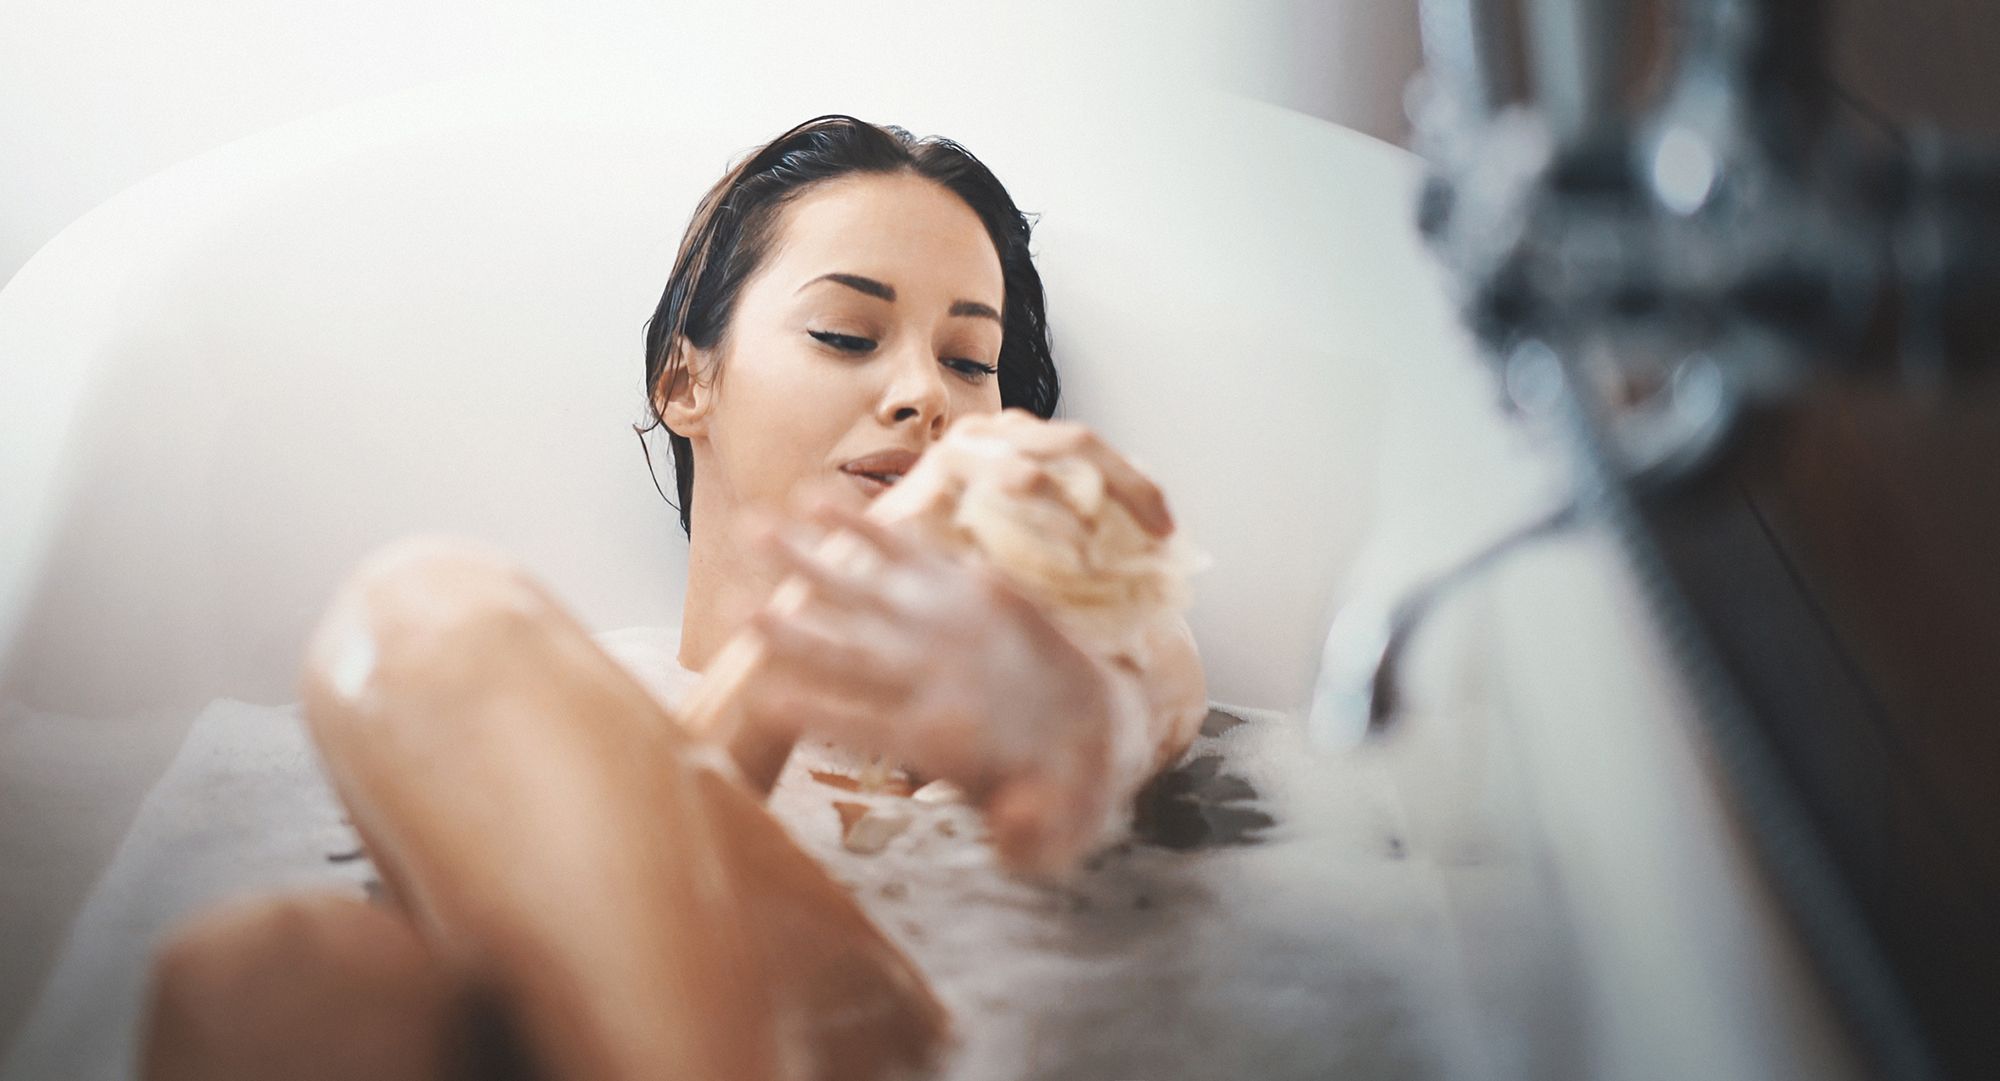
(1358, 689)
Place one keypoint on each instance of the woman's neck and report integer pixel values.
(726, 584)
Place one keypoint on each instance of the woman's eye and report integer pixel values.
(972, 369)
(846, 343)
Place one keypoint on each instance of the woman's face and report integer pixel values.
(872, 325)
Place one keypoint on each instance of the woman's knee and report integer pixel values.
(421, 617)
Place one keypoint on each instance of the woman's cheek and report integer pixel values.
(798, 421)
(983, 398)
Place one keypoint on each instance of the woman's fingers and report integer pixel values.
(1017, 817)
(1027, 476)
(1139, 495)
(1122, 480)
(870, 723)
(798, 653)
(832, 584)
(1046, 439)
(853, 723)
(886, 541)
(1035, 827)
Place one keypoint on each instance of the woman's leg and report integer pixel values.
(558, 840)
(307, 988)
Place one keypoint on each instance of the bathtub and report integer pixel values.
(423, 313)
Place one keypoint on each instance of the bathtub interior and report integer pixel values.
(423, 314)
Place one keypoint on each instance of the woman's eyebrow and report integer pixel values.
(880, 290)
(885, 291)
(973, 307)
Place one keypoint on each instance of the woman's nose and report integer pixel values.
(916, 394)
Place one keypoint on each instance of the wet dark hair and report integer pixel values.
(731, 233)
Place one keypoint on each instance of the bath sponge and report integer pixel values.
(1066, 543)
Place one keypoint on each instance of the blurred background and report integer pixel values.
(98, 94)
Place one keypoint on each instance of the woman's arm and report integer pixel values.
(1154, 699)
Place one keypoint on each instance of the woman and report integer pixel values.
(565, 857)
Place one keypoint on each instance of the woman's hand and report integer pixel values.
(940, 664)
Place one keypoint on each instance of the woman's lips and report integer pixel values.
(871, 485)
(877, 472)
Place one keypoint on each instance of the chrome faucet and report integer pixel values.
(1359, 691)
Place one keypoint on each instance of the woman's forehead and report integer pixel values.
(908, 232)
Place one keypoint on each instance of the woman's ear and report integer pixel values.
(684, 401)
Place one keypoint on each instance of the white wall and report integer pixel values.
(97, 94)
(1347, 61)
